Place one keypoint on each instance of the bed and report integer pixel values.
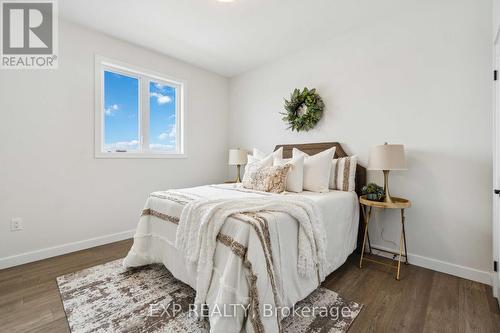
(254, 259)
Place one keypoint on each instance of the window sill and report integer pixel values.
(139, 155)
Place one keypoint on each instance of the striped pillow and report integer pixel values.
(343, 173)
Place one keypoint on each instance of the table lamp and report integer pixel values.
(387, 157)
(237, 157)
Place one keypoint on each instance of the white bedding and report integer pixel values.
(155, 239)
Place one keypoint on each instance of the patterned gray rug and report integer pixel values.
(110, 298)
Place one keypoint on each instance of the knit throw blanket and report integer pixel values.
(201, 221)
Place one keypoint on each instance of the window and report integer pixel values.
(121, 113)
(162, 117)
(139, 114)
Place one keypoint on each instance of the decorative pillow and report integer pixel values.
(268, 179)
(259, 155)
(255, 164)
(295, 178)
(343, 173)
(317, 169)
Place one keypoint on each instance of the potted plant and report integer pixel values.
(373, 192)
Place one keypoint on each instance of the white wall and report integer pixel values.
(48, 173)
(496, 18)
(422, 77)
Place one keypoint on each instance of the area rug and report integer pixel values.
(110, 298)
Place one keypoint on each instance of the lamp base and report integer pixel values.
(387, 197)
(238, 179)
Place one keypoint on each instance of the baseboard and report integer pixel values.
(49, 252)
(434, 264)
(442, 266)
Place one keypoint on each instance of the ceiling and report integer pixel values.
(226, 38)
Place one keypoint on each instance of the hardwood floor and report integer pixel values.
(423, 301)
(29, 297)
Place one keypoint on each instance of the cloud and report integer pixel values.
(110, 110)
(160, 146)
(170, 134)
(160, 98)
(159, 86)
(122, 145)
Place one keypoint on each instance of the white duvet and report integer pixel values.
(255, 259)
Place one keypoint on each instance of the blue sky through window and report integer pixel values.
(162, 122)
(121, 112)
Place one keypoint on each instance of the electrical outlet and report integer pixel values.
(16, 224)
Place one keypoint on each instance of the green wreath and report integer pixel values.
(303, 110)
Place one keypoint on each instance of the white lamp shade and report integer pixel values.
(387, 157)
(237, 157)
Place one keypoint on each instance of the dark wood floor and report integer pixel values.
(423, 301)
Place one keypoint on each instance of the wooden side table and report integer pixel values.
(366, 207)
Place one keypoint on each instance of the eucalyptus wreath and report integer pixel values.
(303, 110)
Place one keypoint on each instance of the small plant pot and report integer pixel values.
(373, 196)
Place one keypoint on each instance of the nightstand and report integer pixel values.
(366, 207)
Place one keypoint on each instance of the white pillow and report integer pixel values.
(317, 169)
(251, 159)
(259, 155)
(295, 178)
(343, 173)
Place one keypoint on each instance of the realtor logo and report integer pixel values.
(29, 34)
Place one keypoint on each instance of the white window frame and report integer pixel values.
(144, 78)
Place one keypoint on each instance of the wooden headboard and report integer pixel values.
(314, 148)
